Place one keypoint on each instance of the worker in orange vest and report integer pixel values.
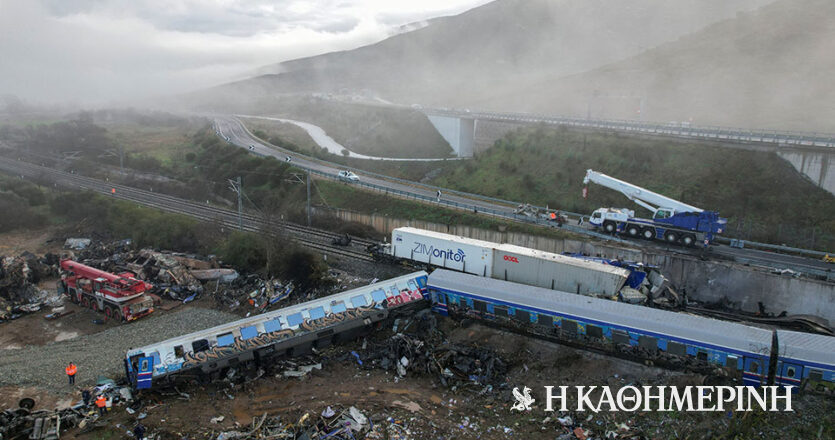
(71, 370)
(101, 402)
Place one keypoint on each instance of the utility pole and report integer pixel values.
(121, 158)
(237, 186)
(308, 198)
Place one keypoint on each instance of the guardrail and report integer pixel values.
(502, 214)
(815, 139)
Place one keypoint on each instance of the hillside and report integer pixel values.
(457, 60)
(763, 197)
(769, 68)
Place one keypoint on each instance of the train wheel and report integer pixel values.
(688, 240)
(85, 302)
(609, 227)
(108, 313)
(632, 230)
(671, 237)
(94, 305)
(648, 234)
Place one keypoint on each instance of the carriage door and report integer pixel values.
(790, 374)
(439, 303)
(145, 370)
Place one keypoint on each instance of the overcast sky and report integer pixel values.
(106, 51)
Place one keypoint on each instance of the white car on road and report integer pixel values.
(348, 176)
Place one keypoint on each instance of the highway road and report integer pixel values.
(233, 129)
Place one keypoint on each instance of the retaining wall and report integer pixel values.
(705, 281)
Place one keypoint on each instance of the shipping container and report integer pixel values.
(559, 272)
(443, 250)
(508, 262)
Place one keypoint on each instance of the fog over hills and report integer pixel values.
(768, 68)
(712, 61)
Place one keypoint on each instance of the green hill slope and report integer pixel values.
(763, 197)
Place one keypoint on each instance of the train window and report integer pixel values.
(178, 351)
(790, 372)
(379, 296)
(701, 355)
(338, 307)
(545, 320)
(816, 375)
(648, 342)
(295, 319)
(754, 367)
(248, 332)
(358, 301)
(200, 345)
(524, 316)
(143, 366)
(594, 331)
(569, 327)
(451, 300)
(225, 339)
(500, 310)
(412, 285)
(676, 348)
(272, 325)
(481, 306)
(731, 362)
(155, 355)
(620, 337)
(316, 312)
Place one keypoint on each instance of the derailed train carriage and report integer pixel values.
(291, 331)
(754, 355)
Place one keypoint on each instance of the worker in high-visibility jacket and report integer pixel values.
(101, 403)
(71, 370)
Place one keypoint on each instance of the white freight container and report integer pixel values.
(554, 271)
(443, 250)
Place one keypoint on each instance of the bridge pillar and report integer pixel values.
(460, 133)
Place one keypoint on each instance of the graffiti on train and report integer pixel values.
(240, 345)
(193, 359)
(335, 318)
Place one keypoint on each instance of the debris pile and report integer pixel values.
(19, 277)
(184, 277)
(428, 352)
(350, 423)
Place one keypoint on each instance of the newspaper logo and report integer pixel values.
(523, 401)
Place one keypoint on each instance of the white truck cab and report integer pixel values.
(601, 215)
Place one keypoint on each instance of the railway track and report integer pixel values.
(310, 237)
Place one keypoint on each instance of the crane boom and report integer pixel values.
(672, 221)
(650, 200)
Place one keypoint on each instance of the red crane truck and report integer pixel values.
(121, 297)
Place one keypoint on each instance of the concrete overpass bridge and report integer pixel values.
(812, 154)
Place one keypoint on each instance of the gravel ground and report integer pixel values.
(100, 353)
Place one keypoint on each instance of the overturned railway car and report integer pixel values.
(294, 330)
(754, 355)
(508, 262)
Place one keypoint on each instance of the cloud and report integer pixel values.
(99, 51)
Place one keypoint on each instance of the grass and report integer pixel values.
(762, 195)
(168, 145)
(345, 196)
(271, 130)
(369, 130)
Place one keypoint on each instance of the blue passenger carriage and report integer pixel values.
(668, 337)
(289, 331)
(806, 361)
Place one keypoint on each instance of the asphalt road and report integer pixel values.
(232, 128)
